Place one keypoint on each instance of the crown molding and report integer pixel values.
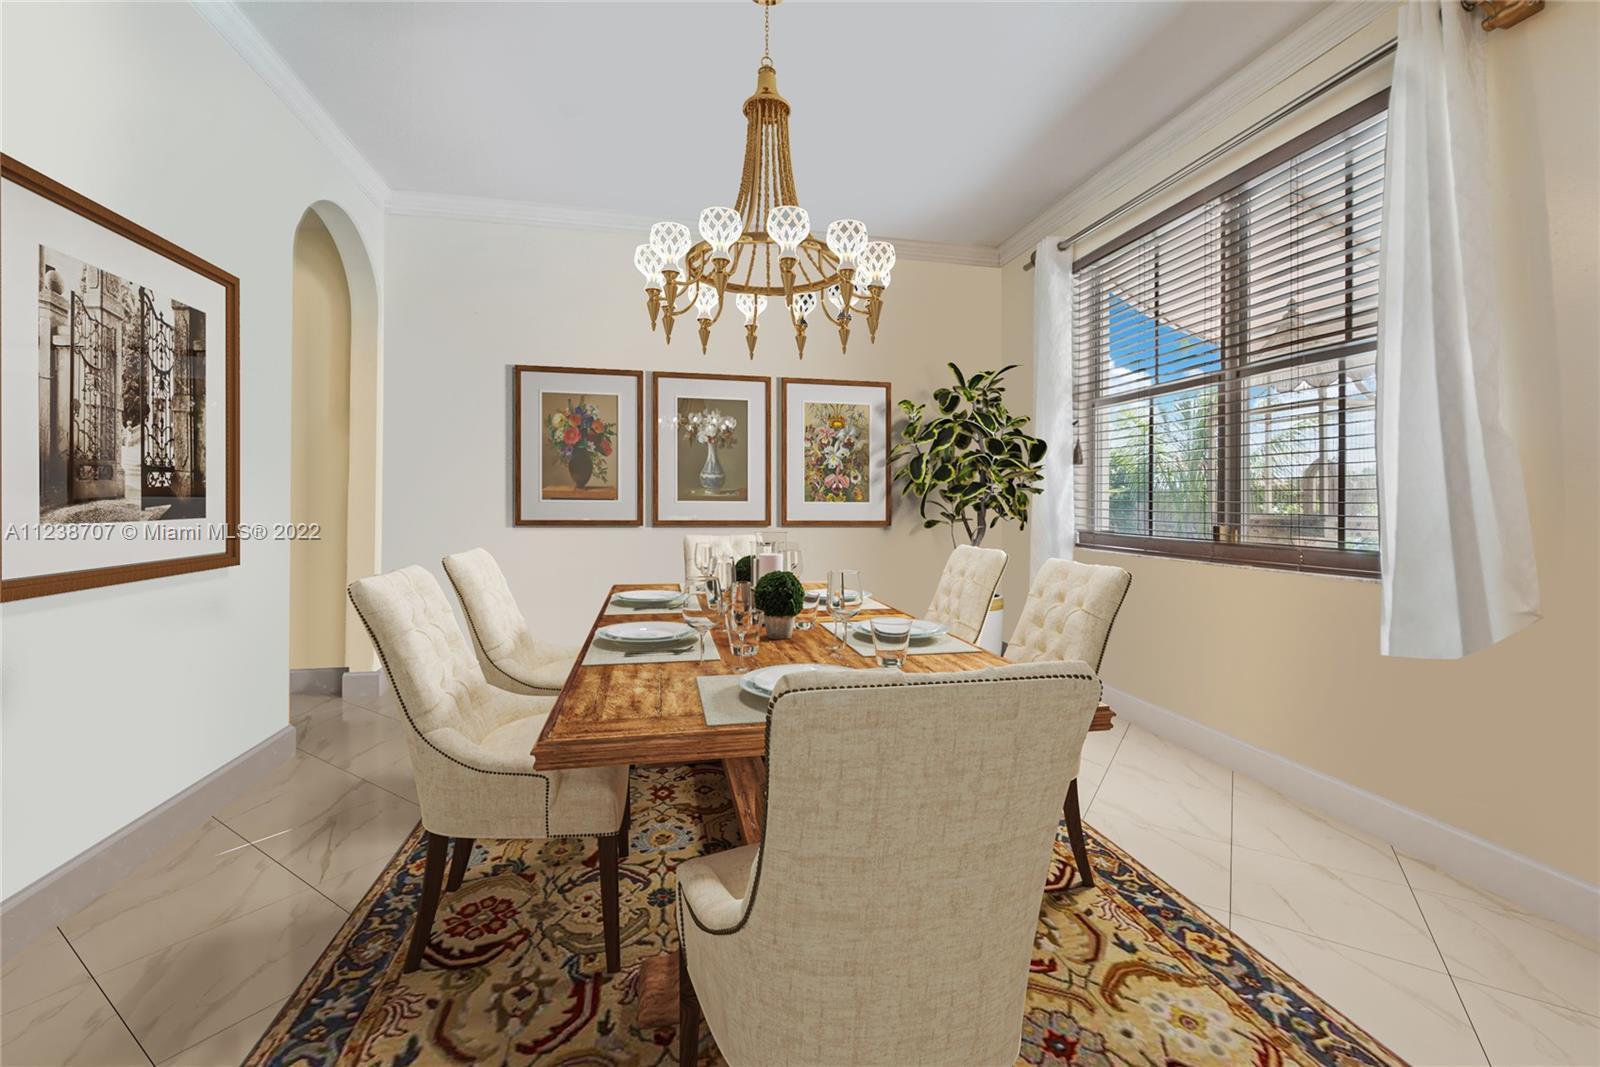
(235, 27)
(939, 252)
(1324, 31)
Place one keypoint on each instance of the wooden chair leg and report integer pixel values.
(1080, 850)
(688, 1015)
(432, 879)
(609, 849)
(460, 856)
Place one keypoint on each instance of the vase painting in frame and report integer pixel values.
(712, 464)
(835, 452)
(579, 448)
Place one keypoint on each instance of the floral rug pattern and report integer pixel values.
(1127, 974)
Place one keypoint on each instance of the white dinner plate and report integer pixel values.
(921, 629)
(762, 682)
(648, 597)
(645, 633)
(853, 596)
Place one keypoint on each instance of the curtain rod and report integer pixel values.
(1325, 86)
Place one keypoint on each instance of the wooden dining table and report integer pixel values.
(649, 713)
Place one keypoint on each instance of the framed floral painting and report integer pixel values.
(579, 446)
(712, 464)
(834, 437)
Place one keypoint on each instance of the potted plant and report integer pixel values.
(743, 568)
(969, 460)
(780, 597)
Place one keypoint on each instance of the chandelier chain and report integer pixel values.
(766, 35)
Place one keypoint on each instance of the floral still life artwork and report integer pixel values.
(838, 450)
(712, 463)
(580, 435)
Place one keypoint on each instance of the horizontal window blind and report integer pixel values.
(1223, 378)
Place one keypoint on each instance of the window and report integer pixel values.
(1223, 377)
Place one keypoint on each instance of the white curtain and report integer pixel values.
(1051, 513)
(1457, 552)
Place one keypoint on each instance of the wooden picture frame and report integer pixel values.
(131, 461)
(793, 507)
(602, 495)
(675, 509)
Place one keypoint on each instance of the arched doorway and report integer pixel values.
(334, 435)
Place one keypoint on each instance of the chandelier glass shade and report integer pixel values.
(763, 246)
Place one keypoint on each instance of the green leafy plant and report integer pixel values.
(969, 459)
(780, 594)
(743, 567)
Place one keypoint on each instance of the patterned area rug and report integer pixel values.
(1127, 974)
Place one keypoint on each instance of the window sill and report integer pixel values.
(1361, 566)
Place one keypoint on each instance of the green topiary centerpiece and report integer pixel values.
(780, 597)
(743, 567)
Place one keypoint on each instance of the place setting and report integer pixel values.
(650, 642)
(646, 601)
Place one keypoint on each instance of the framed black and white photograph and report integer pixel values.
(578, 453)
(712, 463)
(119, 359)
(834, 437)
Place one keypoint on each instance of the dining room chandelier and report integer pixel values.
(763, 247)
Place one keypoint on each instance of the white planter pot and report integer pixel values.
(779, 627)
(994, 624)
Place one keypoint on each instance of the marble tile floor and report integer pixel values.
(189, 960)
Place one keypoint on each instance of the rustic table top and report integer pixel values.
(626, 713)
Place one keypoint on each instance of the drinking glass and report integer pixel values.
(705, 557)
(891, 640)
(842, 585)
(744, 634)
(792, 562)
(700, 619)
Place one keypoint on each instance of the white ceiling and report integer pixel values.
(951, 122)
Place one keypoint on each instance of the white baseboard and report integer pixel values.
(328, 681)
(65, 891)
(1541, 889)
(367, 684)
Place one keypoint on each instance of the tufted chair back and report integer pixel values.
(1069, 613)
(433, 671)
(846, 905)
(735, 546)
(971, 575)
(497, 623)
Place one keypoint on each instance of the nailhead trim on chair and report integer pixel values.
(477, 640)
(545, 778)
(1107, 640)
(766, 808)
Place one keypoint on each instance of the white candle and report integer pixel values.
(766, 563)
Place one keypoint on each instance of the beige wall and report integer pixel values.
(1503, 744)
(466, 300)
(320, 447)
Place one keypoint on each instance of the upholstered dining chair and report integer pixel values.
(814, 947)
(966, 586)
(507, 652)
(736, 546)
(1067, 618)
(470, 746)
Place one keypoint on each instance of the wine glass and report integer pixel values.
(792, 562)
(700, 619)
(844, 600)
(705, 557)
(744, 633)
